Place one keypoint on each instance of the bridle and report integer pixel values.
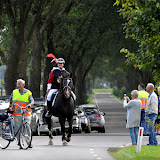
(67, 88)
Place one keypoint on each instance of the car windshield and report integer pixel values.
(90, 111)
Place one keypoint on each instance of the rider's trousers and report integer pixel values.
(17, 123)
(49, 96)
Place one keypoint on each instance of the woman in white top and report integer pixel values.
(133, 115)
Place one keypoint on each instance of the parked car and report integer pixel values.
(85, 121)
(96, 117)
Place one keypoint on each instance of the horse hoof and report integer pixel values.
(68, 139)
(50, 142)
(65, 143)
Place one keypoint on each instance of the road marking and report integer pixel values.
(91, 149)
(91, 152)
(99, 158)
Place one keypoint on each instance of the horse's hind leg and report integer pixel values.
(70, 121)
(50, 130)
(62, 123)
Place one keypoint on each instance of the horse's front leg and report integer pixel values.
(70, 121)
(62, 123)
(49, 122)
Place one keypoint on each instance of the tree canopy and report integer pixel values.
(142, 23)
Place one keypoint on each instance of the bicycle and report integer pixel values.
(7, 134)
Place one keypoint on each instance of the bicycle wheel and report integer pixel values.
(4, 143)
(25, 136)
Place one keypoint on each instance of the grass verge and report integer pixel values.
(90, 99)
(147, 153)
(110, 90)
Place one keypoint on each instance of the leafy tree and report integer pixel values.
(142, 24)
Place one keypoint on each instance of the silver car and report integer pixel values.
(96, 117)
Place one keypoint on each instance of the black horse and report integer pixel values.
(63, 109)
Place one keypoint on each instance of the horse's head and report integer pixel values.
(66, 87)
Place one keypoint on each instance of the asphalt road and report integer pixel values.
(115, 114)
(92, 146)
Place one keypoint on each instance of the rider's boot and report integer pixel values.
(49, 106)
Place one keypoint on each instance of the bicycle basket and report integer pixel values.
(6, 134)
(3, 115)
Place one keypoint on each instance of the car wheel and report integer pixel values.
(102, 130)
(80, 130)
(77, 130)
(58, 132)
(54, 133)
(88, 130)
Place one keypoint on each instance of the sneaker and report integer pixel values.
(48, 114)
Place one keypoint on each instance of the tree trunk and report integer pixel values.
(17, 62)
(35, 71)
(80, 86)
(48, 65)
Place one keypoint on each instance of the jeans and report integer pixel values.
(143, 122)
(134, 134)
(152, 135)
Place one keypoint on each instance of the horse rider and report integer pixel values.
(53, 85)
(21, 96)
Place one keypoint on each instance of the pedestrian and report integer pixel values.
(152, 113)
(23, 97)
(143, 96)
(133, 115)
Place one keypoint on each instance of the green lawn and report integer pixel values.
(147, 153)
(102, 90)
(90, 99)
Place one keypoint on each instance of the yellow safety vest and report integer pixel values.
(22, 100)
(143, 96)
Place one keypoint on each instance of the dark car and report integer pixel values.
(96, 117)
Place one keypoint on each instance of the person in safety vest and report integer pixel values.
(53, 84)
(23, 97)
(143, 96)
